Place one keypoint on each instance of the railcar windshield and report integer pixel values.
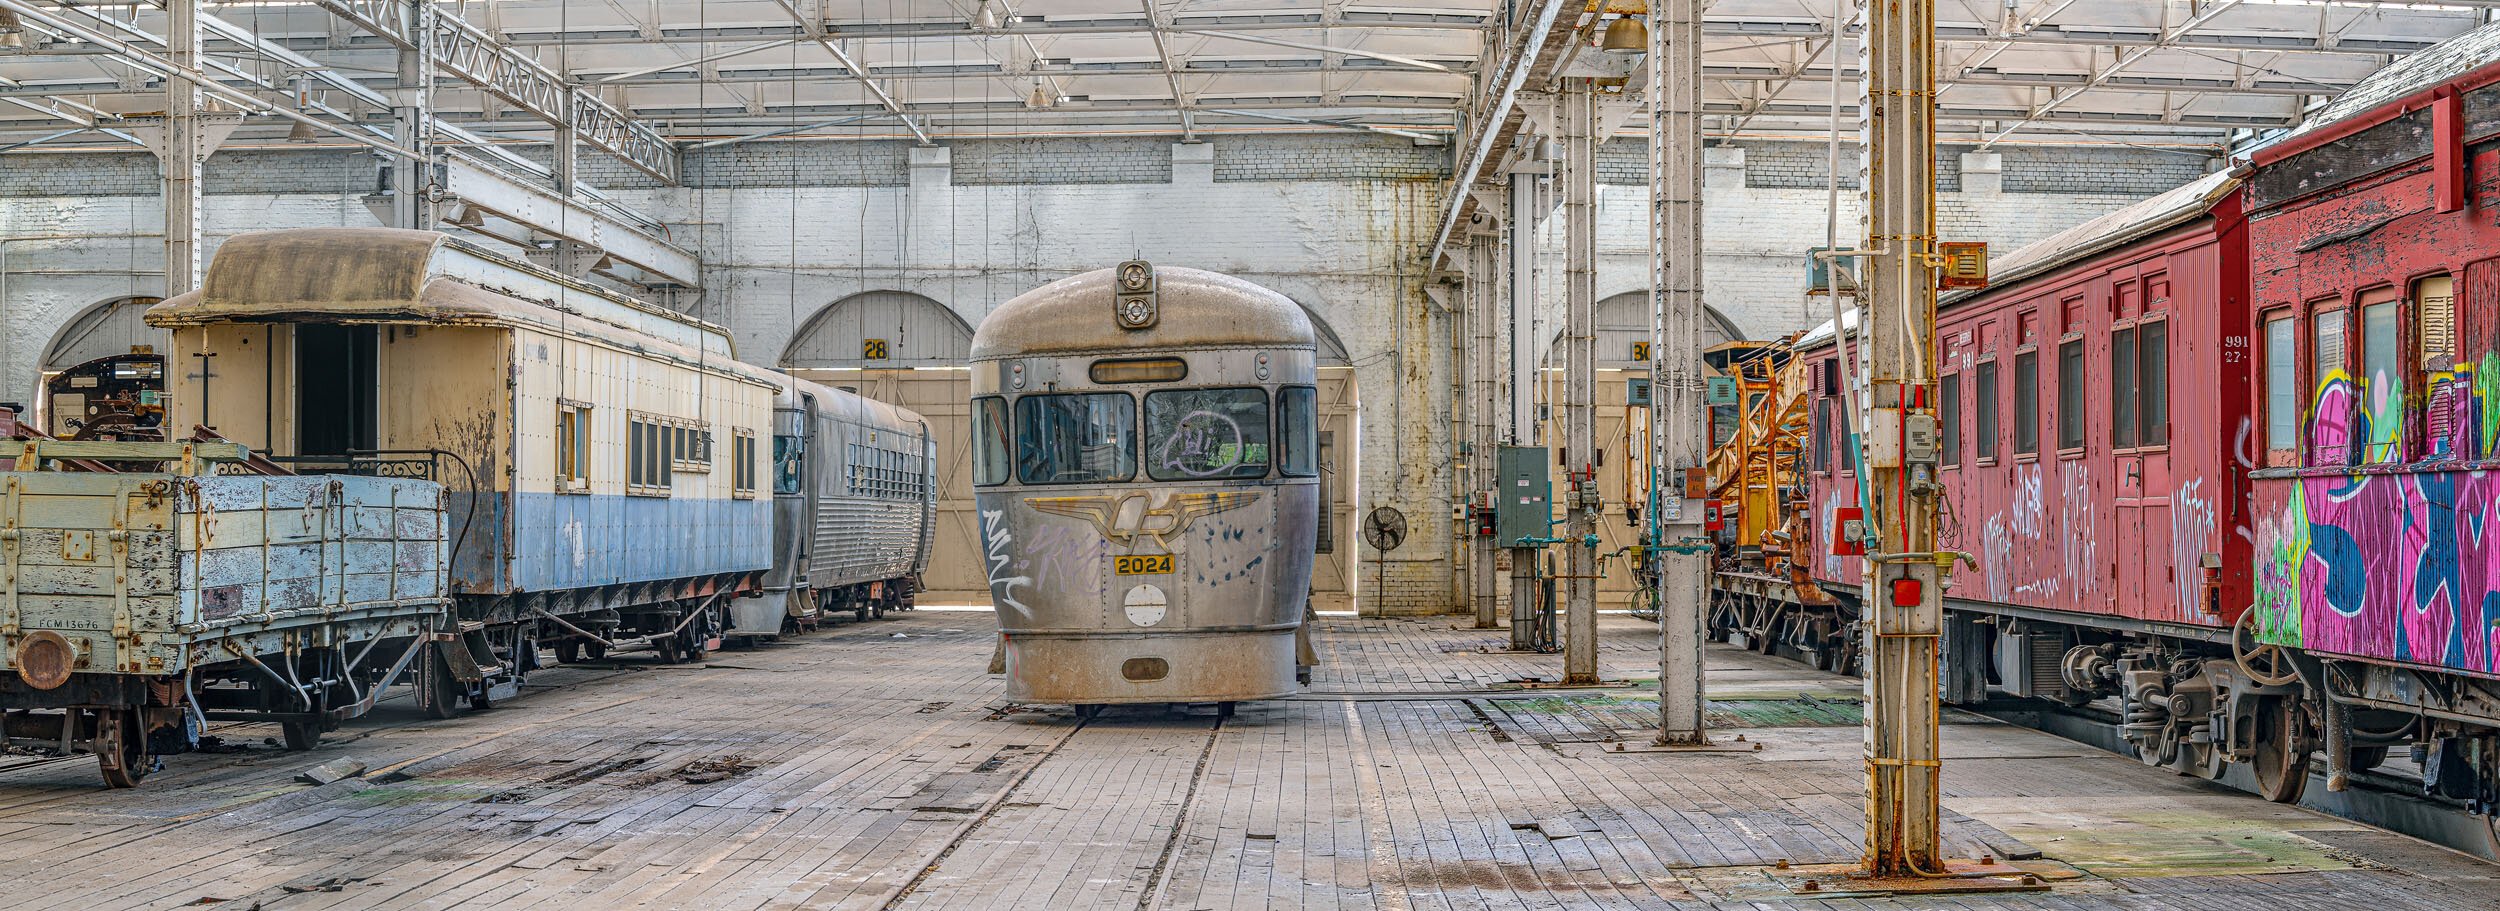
(1086, 438)
(989, 441)
(1206, 434)
(1297, 432)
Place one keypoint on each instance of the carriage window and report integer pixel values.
(1822, 442)
(2282, 387)
(2444, 387)
(1297, 432)
(1949, 395)
(1198, 434)
(2122, 388)
(742, 467)
(1984, 411)
(1076, 438)
(2382, 375)
(2027, 403)
(572, 449)
(789, 456)
(2152, 365)
(2327, 347)
(2070, 394)
(989, 440)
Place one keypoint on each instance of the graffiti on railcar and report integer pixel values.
(2400, 565)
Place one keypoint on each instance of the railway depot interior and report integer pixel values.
(1249, 454)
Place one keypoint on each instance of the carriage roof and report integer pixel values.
(387, 275)
(1199, 309)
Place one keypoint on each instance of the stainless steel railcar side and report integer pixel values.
(854, 506)
(1145, 468)
(603, 458)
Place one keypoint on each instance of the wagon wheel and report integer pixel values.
(595, 649)
(569, 651)
(2281, 757)
(2268, 665)
(438, 692)
(302, 735)
(121, 748)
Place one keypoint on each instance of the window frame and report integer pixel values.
(2284, 452)
(1145, 424)
(1949, 421)
(1987, 411)
(742, 468)
(2146, 420)
(1282, 441)
(648, 466)
(2421, 443)
(2312, 454)
(2073, 432)
(573, 447)
(2027, 359)
(1131, 437)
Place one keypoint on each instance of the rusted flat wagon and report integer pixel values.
(137, 606)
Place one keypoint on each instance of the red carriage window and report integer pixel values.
(2445, 388)
(2331, 430)
(2152, 365)
(1949, 416)
(2383, 379)
(2027, 403)
(1984, 412)
(2122, 388)
(2282, 390)
(2070, 395)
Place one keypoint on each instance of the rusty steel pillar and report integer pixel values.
(1676, 438)
(1577, 110)
(1903, 604)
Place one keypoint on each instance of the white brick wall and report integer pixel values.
(786, 229)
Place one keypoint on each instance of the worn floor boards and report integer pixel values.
(873, 767)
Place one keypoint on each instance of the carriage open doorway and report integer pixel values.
(336, 391)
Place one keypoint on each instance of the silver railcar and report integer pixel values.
(854, 508)
(1146, 471)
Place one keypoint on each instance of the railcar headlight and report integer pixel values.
(1262, 365)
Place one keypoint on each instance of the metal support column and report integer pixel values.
(412, 104)
(1578, 408)
(1484, 384)
(185, 153)
(1521, 333)
(1904, 605)
(1675, 350)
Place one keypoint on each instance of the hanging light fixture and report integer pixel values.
(984, 16)
(12, 32)
(1039, 99)
(301, 131)
(1626, 35)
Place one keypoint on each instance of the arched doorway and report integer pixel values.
(103, 330)
(1622, 428)
(907, 350)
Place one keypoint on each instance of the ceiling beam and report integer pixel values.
(815, 31)
(2212, 9)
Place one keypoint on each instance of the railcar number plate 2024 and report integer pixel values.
(1142, 565)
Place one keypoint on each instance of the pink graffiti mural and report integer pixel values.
(2383, 561)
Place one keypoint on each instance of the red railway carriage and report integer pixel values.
(2230, 457)
(2058, 392)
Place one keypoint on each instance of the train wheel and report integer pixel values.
(120, 748)
(569, 651)
(2280, 758)
(302, 735)
(438, 692)
(2368, 757)
(595, 650)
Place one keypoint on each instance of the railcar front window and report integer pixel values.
(1086, 438)
(1297, 432)
(1206, 434)
(989, 441)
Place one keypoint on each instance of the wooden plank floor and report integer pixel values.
(874, 767)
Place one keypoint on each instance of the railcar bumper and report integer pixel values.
(1086, 669)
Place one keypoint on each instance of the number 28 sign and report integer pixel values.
(872, 349)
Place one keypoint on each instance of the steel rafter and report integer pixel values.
(466, 51)
(2212, 9)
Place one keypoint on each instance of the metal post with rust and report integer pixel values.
(184, 152)
(1576, 108)
(1903, 605)
(1677, 442)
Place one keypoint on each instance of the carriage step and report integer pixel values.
(474, 660)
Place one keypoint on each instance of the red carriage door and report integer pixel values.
(2152, 532)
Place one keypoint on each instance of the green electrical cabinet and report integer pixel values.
(1524, 506)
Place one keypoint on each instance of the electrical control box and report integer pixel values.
(1523, 504)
